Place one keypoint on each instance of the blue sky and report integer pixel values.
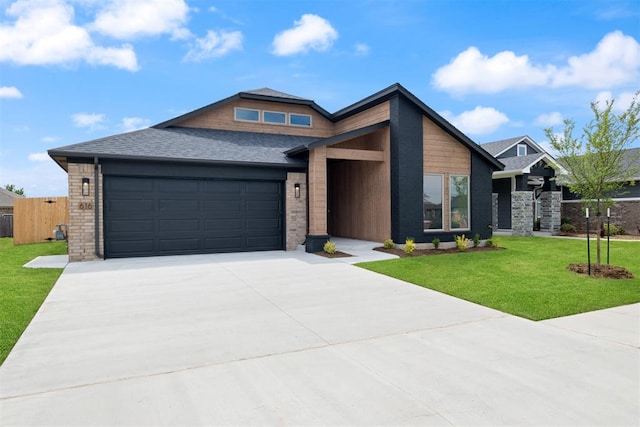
(76, 70)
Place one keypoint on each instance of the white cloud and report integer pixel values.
(43, 33)
(49, 139)
(10, 92)
(214, 45)
(39, 157)
(88, 120)
(129, 19)
(614, 61)
(479, 121)
(621, 104)
(362, 49)
(471, 71)
(310, 32)
(134, 123)
(549, 119)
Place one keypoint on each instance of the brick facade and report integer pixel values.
(81, 227)
(625, 214)
(296, 210)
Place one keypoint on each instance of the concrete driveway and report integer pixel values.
(288, 338)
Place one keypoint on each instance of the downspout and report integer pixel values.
(96, 204)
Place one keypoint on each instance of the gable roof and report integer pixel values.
(522, 164)
(189, 145)
(498, 147)
(264, 94)
(7, 197)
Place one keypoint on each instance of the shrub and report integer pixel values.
(613, 229)
(462, 243)
(436, 243)
(388, 244)
(476, 240)
(330, 247)
(490, 243)
(409, 246)
(567, 228)
(565, 220)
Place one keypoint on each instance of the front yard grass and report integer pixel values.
(529, 278)
(22, 290)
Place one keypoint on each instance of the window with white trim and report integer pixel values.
(432, 197)
(522, 150)
(247, 115)
(459, 202)
(300, 120)
(274, 117)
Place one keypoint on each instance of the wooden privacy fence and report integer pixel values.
(35, 218)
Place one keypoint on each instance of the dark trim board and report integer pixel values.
(151, 216)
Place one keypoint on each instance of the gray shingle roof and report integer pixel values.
(7, 197)
(521, 162)
(191, 144)
(265, 91)
(496, 147)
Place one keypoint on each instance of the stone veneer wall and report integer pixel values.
(550, 211)
(522, 213)
(296, 210)
(625, 214)
(494, 210)
(81, 227)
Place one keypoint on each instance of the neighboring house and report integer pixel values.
(525, 191)
(625, 212)
(264, 170)
(6, 201)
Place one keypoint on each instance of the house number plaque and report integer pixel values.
(85, 206)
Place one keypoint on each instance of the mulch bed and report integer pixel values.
(422, 252)
(603, 271)
(337, 254)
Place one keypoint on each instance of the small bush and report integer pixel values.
(567, 228)
(329, 247)
(490, 243)
(436, 243)
(462, 243)
(613, 229)
(565, 220)
(409, 246)
(388, 244)
(476, 240)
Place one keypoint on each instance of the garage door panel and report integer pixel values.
(163, 216)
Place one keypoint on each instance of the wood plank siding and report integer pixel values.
(373, 115)
(442, 154)
(223, 118)
(359, 199)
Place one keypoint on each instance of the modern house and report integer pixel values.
(265, 170)
(525, 190)
(626, 211)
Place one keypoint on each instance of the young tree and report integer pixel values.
(598, 163)
(14, 189)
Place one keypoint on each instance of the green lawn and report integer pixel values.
(22, 290)
(529, 278)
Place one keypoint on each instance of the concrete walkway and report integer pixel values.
(290, 338)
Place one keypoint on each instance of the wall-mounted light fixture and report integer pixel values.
(85, 186)
(296, 189)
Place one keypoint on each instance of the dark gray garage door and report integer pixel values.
(157, 216)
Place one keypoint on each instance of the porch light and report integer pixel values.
(85, 186)
(296, 189)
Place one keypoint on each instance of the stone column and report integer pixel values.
(296, 209)
(550, 210)
(494, 210)
(522, 213)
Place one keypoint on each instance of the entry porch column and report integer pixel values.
(317, 236)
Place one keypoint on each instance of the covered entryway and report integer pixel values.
(149, 216)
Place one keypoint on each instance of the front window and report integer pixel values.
(522, 150)
(432, 202)
(247, 115)
(459, 201)
(300, 120)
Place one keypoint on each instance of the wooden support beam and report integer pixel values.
(351, 154)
